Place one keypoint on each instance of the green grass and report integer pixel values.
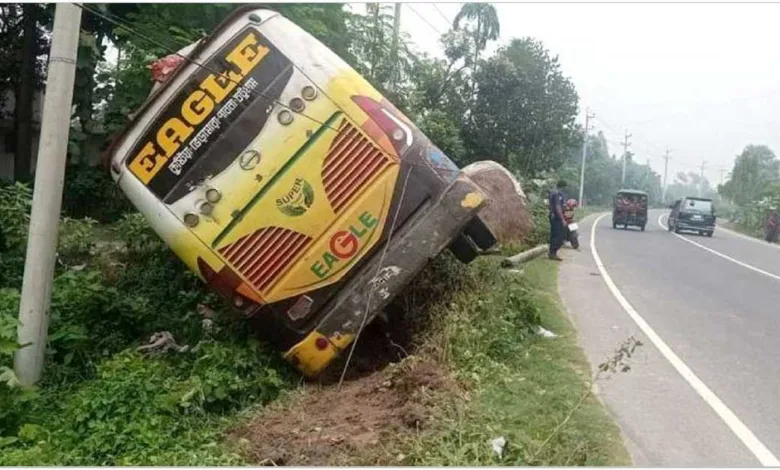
(519, 385)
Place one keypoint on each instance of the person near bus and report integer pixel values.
(557, 221)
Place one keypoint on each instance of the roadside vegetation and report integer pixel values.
(752, 192)
(520, 385)
(201, 395)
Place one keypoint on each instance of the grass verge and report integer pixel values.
(519, 385)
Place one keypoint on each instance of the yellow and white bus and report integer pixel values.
(291, 186)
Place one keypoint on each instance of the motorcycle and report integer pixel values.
(572, 234)
(771, 231)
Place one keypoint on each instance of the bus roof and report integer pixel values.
(632, 191)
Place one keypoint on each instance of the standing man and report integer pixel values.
(557, 222)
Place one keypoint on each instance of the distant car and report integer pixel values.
(693, 214)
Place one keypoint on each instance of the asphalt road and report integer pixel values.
(704, 390)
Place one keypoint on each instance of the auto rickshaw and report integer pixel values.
(630, 208)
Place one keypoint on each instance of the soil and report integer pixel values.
(385, 394)
(325, 425)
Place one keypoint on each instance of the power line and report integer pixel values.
(186, 58)
(198, 64)
(441, 13)
(423, 18)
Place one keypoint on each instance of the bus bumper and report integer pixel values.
(410, 248)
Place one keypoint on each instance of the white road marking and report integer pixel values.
(717, 253)
(749, 238)
(731, 420)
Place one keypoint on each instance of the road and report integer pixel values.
(704, 390)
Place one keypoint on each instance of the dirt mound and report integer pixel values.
(507, 215)
(327, 426)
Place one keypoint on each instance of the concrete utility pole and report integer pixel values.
(394, 46)
(588, 116)
(47, 197)
(666, 170)
(701, 176)
(625, 144)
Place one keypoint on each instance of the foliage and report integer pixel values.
(755, 169)
(149, 410)
(524, 113)
(688, 184)
(89, 192)
(15, 204)
(519, 385)
(603, 174)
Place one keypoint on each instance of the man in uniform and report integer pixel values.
(557, 221)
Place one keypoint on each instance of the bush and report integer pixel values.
(150, 410)
(15, 204)
(90, 192)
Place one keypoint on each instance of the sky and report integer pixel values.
(700, 79)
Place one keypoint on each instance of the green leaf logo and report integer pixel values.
(297, 200)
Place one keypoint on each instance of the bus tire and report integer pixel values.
(463, 249)
(480, 234)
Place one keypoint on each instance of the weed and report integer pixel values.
(518, 385)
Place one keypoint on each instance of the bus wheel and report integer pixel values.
(463, 249)
(480, 234)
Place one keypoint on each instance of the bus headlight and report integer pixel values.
(297, 105)
(213, 195)
(309, 92)
(285, 117)
(191, 219)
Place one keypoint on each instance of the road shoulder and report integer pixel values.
(664, 422)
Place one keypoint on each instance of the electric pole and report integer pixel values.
(588, 116)
(666, 170)
(701, 176)
(625, 144)
(394, 46)
(47, 195)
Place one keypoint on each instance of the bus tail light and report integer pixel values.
(285, 117)
(309, 93)
(191, 219)
(205, 208)
(398, 131)
(297, 105)
(321, 343)
(213, 195)
(230, 286)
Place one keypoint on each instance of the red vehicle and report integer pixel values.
(772, 229)
(572, 230)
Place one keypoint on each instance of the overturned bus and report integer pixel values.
(291, 186)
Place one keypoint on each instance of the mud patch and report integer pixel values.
(327, 426)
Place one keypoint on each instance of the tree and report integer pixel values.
(25, 93)
(22, 42)
(754, 170)
(525, 110)
(486, 26)
(688, 184)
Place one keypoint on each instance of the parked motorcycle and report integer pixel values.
(572, 230)
(772, 228)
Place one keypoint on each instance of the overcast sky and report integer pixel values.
(701, 79)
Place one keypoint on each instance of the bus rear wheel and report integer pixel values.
(480, 234)
(463, 249)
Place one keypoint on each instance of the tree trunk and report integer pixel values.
(25, 91)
